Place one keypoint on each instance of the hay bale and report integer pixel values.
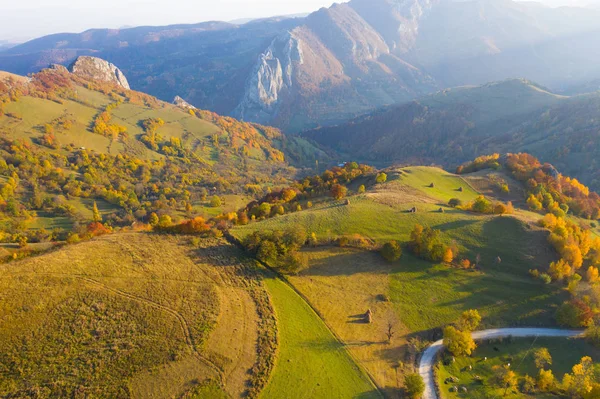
(369, 317)
(441, 210)
(432, 185)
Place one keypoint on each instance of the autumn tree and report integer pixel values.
(448, 255)
(469, 320)
(574, 314)
(96, 217)
(545, 380)
(504, 377)
(361, 189)
(592, 275)
(153, 219)
(542, 358)
(459, 343)
(338, 191)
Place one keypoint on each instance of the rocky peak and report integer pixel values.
(181, 103)
(98, 69)
(272, 75)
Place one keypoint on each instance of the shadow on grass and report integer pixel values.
(351, 262)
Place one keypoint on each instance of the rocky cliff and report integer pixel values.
(272, 78)
(98, 69)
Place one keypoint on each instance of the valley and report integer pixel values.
(379, 199)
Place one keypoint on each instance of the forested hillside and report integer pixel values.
(76, 150)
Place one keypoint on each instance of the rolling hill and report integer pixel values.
(339, 62)
(74, 141)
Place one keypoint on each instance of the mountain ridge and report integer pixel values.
(357, 56)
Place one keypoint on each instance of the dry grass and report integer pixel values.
(129, 314)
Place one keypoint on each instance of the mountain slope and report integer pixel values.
(73, 148)
(339, 62)
(454, 125)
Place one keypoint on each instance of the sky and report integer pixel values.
(21, 20)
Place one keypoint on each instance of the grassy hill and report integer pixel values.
(129, 316)
(417, 297)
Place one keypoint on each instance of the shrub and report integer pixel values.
(215, 202)
(391, 251)
(338, 191)
(414, 385)
(381, 178)
(362, 189)
(455, 202)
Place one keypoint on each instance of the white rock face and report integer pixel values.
(98, 69)
(181, 103)
(411, 13)
(272, 75)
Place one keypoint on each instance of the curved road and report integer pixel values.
(427, 360)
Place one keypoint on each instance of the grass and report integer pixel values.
(519, 353)
(446, 185)
(127, 313)
(419, 296)
(311, 362)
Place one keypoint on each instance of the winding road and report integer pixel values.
(428, 358)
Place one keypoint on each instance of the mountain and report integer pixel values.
(339, 62)
(455, 125)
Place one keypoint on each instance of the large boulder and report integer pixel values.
(98, 69)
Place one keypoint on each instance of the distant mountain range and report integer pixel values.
(340, 62)
(456, 125)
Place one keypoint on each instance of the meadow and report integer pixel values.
(129, 315)
(415, 296)
(519, 353)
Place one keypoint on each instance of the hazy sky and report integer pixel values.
(25, 19)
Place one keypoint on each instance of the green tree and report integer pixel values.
(215, 202)
(459, 343)
(454, 202)
(391, 251)
(267, 252)
(361, 189)
(414, 385)
(381, 178)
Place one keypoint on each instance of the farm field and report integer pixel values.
(519, 353)
(311, 363)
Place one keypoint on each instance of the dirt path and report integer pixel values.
(428, 358)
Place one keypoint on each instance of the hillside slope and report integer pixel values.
(69, 144)
(455, 125)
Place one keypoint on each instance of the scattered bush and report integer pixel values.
(391, 251)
